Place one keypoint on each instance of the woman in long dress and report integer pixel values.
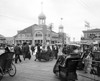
(87, 63)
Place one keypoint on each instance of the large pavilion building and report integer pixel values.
(41, 33)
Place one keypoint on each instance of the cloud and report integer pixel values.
(19, 14)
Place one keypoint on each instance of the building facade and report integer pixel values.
(41, 33)
(9, 40)
(2, 39)
(91, 36)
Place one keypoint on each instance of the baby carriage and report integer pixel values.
(6, 64)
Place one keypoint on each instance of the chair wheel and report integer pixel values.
(12, 70)
(1, 73)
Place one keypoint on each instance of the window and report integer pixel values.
(92, 36)
(38, 34)
(23, 35)
(28, 35)
(19, 35)
(48, 35)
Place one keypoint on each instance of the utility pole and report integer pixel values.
(51, 26)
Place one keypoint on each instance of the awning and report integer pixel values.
(75, 45)
(95, 42)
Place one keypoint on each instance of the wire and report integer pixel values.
(13, 18)
(84, 5)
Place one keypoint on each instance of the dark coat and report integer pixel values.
(56, 50)
(3, 60)
(17, 50)
(32, 48)
(38, 49)
(7, 49)
(26, 52)
(25, 49)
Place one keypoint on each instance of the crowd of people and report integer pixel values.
(91, 58)
(90, 55)
(18, 51)
(85, 51)
(49, 50)
(26, 50)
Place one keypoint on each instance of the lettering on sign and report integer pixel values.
(38, 29)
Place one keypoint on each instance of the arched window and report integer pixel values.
(38, 34)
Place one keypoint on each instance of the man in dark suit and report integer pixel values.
(26, 51)
(32, 49)
(17, 51)
(38, 52)
(56, 51)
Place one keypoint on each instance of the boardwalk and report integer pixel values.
(30, 70)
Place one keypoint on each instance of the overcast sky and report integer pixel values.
(19, 14)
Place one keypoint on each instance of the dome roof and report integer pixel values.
(42, 16)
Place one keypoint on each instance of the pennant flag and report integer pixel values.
(87, 24)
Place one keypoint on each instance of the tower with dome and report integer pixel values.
(42, 19)
(41, 33)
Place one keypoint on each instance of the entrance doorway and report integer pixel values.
(38, 42)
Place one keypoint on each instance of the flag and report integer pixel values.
(61, 18)
(87, 24)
